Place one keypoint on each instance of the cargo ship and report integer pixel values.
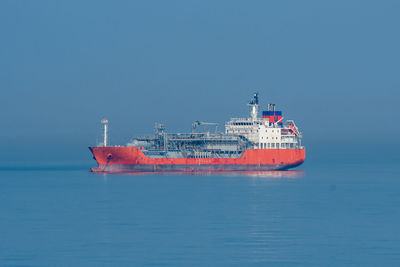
(254, 143)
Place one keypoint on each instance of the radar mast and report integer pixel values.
(254, 106)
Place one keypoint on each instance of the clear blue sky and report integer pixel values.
(332, 66)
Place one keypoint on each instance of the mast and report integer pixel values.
(254, 106)
(105, 123)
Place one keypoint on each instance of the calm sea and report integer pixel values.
(338, 209)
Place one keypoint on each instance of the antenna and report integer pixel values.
(104, 121)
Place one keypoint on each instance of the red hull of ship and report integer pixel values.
(131, 159)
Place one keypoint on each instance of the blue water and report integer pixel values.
(342, 213)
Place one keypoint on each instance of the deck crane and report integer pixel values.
(198, 123)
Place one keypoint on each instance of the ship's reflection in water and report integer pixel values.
(258, 174)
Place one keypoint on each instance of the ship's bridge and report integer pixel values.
(266, 132)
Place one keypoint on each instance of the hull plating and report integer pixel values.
(132, 159)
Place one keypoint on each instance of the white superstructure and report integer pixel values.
(266, 132)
